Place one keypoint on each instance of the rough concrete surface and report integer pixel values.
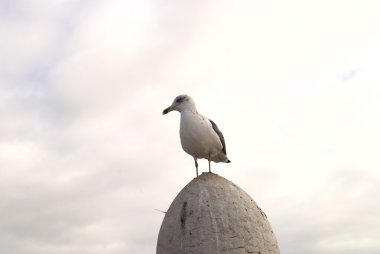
(211, 215)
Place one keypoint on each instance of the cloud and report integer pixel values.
(86, 156)
(336, 217)
(75, 161)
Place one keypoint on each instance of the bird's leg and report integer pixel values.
(209, 164)
(196, 165)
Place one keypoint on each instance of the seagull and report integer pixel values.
(200, 136)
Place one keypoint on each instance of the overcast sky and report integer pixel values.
(86, 155)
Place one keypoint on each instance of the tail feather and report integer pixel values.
(221, 157)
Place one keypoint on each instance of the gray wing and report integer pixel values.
(216, 129)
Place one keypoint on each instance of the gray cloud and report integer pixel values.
(338, 217)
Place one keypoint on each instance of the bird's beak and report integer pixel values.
(167, 110)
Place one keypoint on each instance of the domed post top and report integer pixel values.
(213, 215)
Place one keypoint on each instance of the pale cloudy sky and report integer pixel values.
(86, 156)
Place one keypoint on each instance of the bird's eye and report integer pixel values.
(179, 100)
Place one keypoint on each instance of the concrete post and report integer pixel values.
(211, 215)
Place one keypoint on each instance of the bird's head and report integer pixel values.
(180, 103)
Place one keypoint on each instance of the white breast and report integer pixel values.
(197, 135)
